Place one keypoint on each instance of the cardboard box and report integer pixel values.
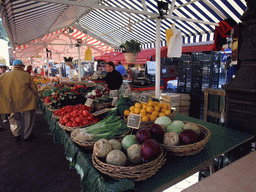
(174, 97)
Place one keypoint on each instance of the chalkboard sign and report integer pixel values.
(144, 98)
(115, 99)
(127, 93)
(89, 102)
(134, 121)
(113, 93)
(96, 113)
(100, 88)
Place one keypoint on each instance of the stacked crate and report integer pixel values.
(179, 101)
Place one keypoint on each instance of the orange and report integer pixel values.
(145, 118)
(167, 112)
(132, 108)
(161, 114)
(150, 109)
(152, 117)
(150, 103)
(138, 105)
(126, 112)
(163, 109)
(155, 113)
(143, 114)
(137, 110)
(157, 108)
(144, 105)
(143, 110)
(165, 105)
(160, 105)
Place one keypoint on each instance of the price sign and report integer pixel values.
(96, 113)
(127, 93)
(89, 102)
(144, 98)
(134, 121)
(100, 88)
(126, 86)
(90, 84)
(115, 99)
(113, 93)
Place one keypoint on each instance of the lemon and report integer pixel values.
(142, 114)
(143, 110)
(132, 108)
(161, 114)
(160, 105)
(144, 105)
(145, 118)
(138, 105)
(165, 105)
(163, 109)
(126, 112)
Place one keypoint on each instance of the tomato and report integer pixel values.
(90, 117)
(85, 113)
(72, 119)
(68, 115)
(74, 124)
(69, 124)
(85, 122)
(78, 119)
(65, 120)
(61, 122)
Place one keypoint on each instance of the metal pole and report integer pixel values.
(60, 75)
(79, 63)
(158, 64)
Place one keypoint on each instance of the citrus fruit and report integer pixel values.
(137, 110)
(143, 110)
(142, 114)
(126, 112)
(150, 103)
(161, 114)
(145, 118)
(157, 108)
(144, 105)
(150, 109)
(152, 117)
(138, 105)
(132, 108)
(155, 113)
(167, 112)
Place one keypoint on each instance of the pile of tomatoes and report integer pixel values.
(75, 115)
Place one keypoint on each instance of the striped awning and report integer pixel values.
(111, 22)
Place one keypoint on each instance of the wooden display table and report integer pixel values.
(238, 176)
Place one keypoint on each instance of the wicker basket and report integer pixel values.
(136, 173)
(130, 57)
(190, 149)
(70, 129)
(89, 145)
(52, 110)
(147, 124)
(55, 116)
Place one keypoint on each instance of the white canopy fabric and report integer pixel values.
(112, 22)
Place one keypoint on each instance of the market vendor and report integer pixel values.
(114, 79)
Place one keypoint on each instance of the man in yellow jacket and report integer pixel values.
(18, 97)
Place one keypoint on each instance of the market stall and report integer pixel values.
(173, 164)
(174, 170)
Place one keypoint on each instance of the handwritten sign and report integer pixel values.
(100, 88)
(134, 121)
(127, 93)
(144, 98)
(96, 113)
(115, 99)
(89, 102)
(113, 93)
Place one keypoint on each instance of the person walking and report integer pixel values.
(114, 79)
(19, 98)
(120, 68)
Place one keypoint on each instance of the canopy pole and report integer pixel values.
(158, 63)
(79, 63)
(60, 75)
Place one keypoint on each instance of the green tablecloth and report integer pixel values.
(222, 140)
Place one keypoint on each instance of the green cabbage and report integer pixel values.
(163, 120)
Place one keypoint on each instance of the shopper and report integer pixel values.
(114, 79)
(120, 68)
(30, 70)
(3, 117)
(18, 97)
